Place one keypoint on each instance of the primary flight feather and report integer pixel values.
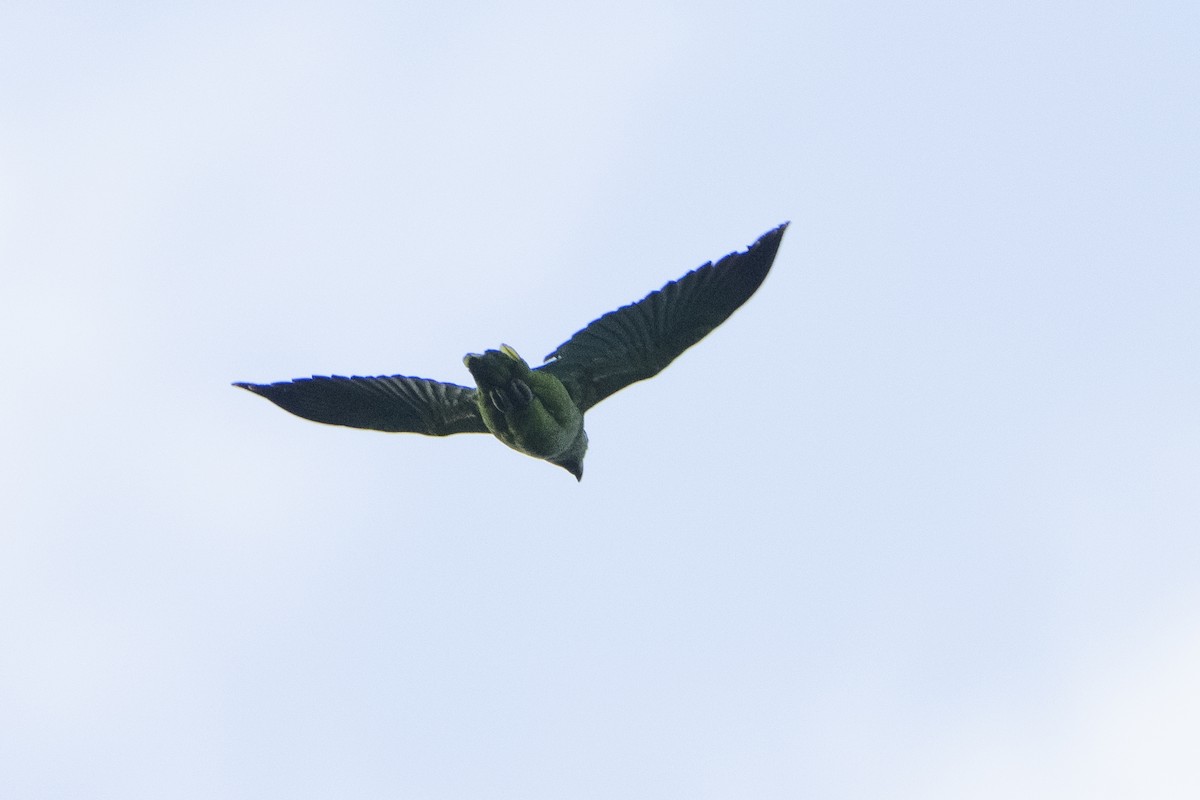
(539, 411)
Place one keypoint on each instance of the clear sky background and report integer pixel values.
(921, 520)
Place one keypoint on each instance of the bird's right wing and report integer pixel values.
(637, 341)
(386, 403)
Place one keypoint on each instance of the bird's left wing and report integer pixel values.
(386, 403)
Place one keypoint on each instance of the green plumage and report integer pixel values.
(539, 411)
(529, 410)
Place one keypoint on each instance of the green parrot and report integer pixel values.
(539, 410)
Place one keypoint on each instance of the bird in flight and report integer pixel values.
(539, 410)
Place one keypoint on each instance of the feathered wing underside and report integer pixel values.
(637, 341)
(385, 403)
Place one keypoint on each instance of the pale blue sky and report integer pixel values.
(920, 521)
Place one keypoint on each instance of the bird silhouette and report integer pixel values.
(539, 410)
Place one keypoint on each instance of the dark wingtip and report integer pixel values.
(771, 239)
(253, 388)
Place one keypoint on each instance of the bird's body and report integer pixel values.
(539, 411)
(529, 410)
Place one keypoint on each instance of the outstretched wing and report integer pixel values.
(637, 341)
(396, 403)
